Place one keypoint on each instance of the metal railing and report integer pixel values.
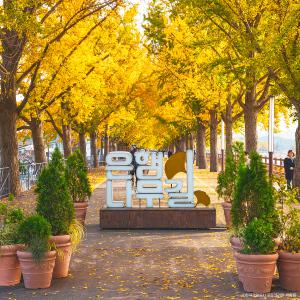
(29, 173)
(4, 182)
(90, 162)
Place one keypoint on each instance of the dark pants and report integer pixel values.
(289, 183)
(134, 178)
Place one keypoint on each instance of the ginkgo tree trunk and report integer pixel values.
(213, 137)
(230, 116)
(36, 127)
(82, 144)
(201, 145)
(93, 146)
(12, 48)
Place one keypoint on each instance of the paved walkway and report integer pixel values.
(141, 264)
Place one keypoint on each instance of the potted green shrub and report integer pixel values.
(289, 254)
(36, 260)
(227, 178)
(256, 262)
(10, 272)
(54, 203)
(253, 198)
(288, 263)
(78, 184)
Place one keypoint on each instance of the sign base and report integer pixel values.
(157, 218)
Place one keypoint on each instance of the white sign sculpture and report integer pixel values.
(118, 161)
(149, 175)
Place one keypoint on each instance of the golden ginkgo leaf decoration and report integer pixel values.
(175, 164)
(202, 198)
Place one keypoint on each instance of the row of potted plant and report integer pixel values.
(266, 229)
(41, 245)
(10, 271)
(78, 184)
(227, 178)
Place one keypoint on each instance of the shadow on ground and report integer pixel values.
(146, 265)
(141, 264)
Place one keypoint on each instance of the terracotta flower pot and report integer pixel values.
(288, 266)
(10, 270)
(227, 213)
(277, 241)
(63, 257)
(256, 271)
(80, 211)
(236, 244)
(37, 275)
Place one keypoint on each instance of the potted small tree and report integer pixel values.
(10, 272)
(54, 203)
(253, 198)
(289, 247)
(37, 261)
(256, 262)
(289, 254)
(227, 178)
(78, 184)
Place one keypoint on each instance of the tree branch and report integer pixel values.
(69, 25)
(25, 127)
(239, 99)
(283, 87)
(237, 116)
(51, 120)
(51, 10)
(25, 119)
(70, 54)
(61, 94)
(264, 96)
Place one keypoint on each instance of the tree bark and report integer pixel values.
(106, 144)
(12, 46)
(228, 125)
(196, 159)
(94, 156)
(213, 125)
(101, 143)
(297, 159)
(191, 141)
(201, 150)
(38, 140)
(67, 140)
(110, 146)
(172, 147)
(250, 119)
(9, 147)
(183, 143)
(82, 145)
(177, 145)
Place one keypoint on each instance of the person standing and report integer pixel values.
(289, 165)
(134, 163)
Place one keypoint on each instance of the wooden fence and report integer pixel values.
(278, 163)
